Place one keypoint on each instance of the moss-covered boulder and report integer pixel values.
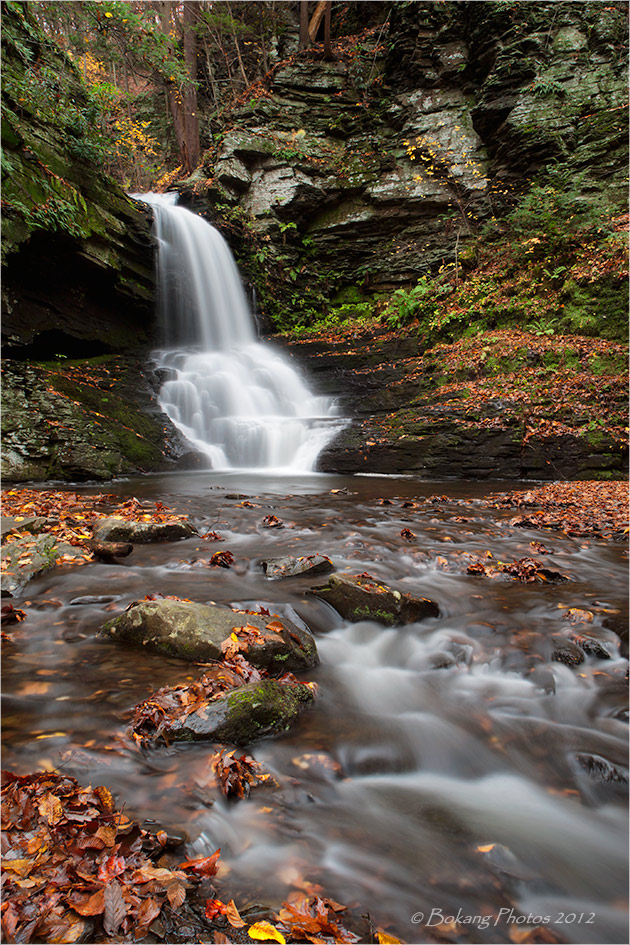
(245, 714)
(361, 597)
(114, 529)
(204, 632)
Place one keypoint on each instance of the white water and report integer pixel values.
(232, 397)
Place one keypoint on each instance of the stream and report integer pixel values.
(449, 770)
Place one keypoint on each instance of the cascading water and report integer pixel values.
(234, 398)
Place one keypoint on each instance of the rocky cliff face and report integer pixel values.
(374, 168)
(77, 253)
(77, 282)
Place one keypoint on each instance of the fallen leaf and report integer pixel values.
(115, 907)
(203, 865)
(50, 808)
(266, 932)
(232, 915)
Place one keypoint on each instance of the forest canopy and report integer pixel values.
(162, 76)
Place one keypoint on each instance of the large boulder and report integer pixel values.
(361, 597)
(119, 529)
(288, 566)
(196, 632)
(245, 714)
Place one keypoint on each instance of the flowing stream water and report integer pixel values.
(234, 398)
(447, 766)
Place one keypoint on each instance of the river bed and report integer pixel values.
(449, 770)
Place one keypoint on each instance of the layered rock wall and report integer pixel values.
(374, 168)
(77, 253)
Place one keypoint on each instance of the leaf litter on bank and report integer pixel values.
(74, 865)
(581, 508)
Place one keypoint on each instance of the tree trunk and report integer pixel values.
(263, 44)
(304, 37)
(316, 19)
(183, 105)
(191, 120)
(238, 48)
(328, 53)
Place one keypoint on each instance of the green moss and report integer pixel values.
(372, 613)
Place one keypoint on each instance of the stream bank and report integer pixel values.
(509, 402)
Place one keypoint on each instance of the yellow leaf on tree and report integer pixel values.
(109, 15)
(266, 932)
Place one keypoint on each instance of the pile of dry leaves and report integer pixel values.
(75, 867)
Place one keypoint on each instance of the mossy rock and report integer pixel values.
(195, 632)
(246, 714)
(363, 598)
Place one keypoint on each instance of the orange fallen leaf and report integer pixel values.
(232, 915)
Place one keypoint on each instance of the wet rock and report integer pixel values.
(589, 644)
(245, 714)
(30, 523)
(90, 600)
(289, 566)
(27, 557)
(116, 529)
(619, 623)
(565, 651)
(108, 550)
(49, 426)
(600, 769)
(195, 632)
(361, 597)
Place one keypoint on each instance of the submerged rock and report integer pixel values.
(361, 597)
(589, 644)
(196, 632)
(116, 529)
(245, 714)
(288, 566)
(565, 651)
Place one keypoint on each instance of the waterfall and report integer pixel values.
(234, 398)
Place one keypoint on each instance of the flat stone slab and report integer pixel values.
(116, 529)
(245, 714)
(196, 632)
(288, 566)
(27, 523)
(27, 557)
(361, 597)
